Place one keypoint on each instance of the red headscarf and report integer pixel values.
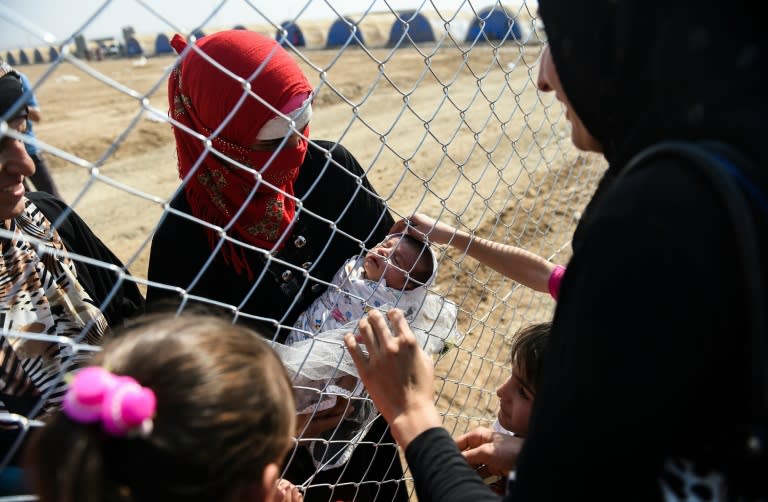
(201, 97)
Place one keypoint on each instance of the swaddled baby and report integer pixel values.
(395, 270)
(394, 273)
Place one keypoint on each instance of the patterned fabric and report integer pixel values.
(40, 293)
(353, 297)
(213, 103)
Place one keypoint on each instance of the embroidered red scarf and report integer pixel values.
(202, 97)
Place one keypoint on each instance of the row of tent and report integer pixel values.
(22, 58)
(131, 48)
(489, 24)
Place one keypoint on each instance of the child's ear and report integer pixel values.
(266, 489)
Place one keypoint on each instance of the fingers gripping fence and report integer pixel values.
(427, 107)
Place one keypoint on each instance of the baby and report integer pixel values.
(394, 273)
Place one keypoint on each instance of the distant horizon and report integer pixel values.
(28, 24)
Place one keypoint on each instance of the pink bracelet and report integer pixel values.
(554, 281)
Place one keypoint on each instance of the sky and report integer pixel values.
(32, 23)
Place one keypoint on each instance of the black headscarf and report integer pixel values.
(11, 93)
(639, 72)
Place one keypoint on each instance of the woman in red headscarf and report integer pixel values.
(264, 217)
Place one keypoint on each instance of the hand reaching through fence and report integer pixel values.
(397, 373)
(285, 491)
(494, 452)
(529, 269)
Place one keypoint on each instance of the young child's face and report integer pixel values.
(401, 257)
(515, 402)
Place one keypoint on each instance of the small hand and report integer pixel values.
(422, 227)
(495, 451)
(397, 373)
(285, 491)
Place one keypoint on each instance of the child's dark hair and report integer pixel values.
(421, 271)
(527, 353)
(224, 412)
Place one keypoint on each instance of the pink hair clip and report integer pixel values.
(119, 402)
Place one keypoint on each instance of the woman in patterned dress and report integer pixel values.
(44, 290)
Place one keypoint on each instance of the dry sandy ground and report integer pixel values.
(463, 137)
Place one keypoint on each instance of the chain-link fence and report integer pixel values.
(437, 102)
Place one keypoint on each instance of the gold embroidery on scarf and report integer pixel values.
(228, 162)
(232, 146)
(269, 225)
(178, 103)
(178, 107)
(281, 178)
(181, 105)
(215, 181)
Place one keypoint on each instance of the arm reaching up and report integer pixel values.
(522, 266)
(397, 373)
(399, 377)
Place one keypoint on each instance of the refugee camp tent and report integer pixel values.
(341, 31)
(133, 48)
(410, 26)
(162, 44)
(494, 23)
(294, 36)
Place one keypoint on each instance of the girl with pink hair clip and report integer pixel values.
(177, 408)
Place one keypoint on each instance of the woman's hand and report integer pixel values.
(397, 373)
(422, 226)
(496, 452)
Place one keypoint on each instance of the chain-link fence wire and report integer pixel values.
(438, 103)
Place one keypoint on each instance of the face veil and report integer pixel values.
(252, 204)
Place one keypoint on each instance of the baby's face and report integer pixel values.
(390, 259)
(515, 403)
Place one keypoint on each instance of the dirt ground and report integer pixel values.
(460, 135)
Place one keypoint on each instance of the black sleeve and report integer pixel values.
(646, 360)
(440, 472)
(179, 251)
(118, 299)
